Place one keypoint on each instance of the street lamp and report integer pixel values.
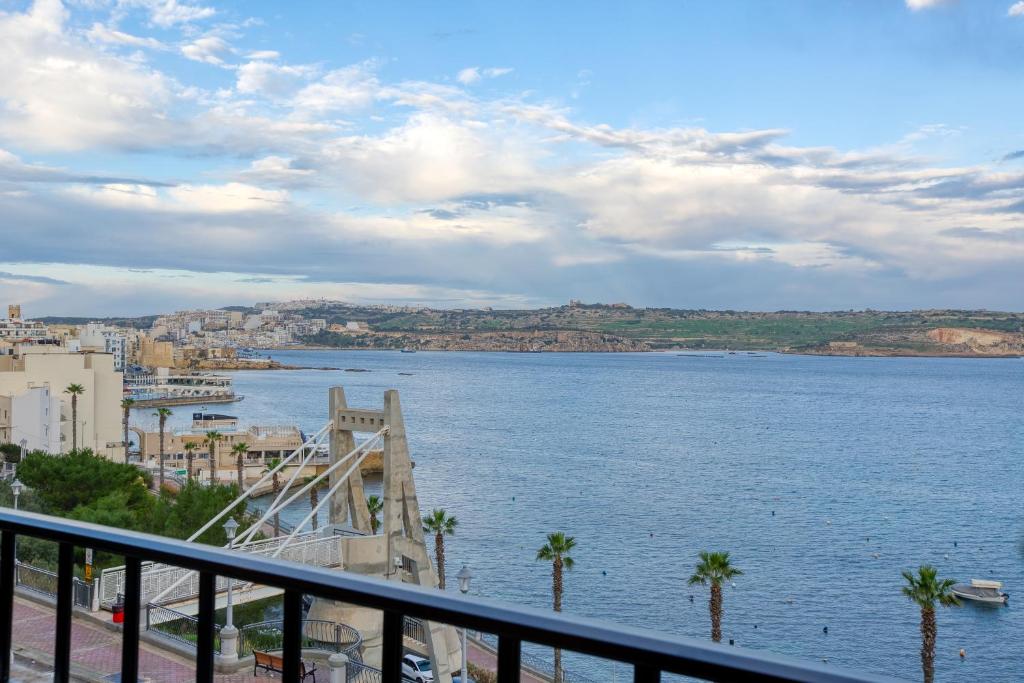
(230, 527)
(464, 576)
(24, 449)
(16, 488)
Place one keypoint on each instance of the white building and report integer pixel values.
(32, 416)
(97, 337)
(54, 368)
(15, 329)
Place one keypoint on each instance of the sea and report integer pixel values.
(824, 478)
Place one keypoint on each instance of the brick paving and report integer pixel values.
(98, 649)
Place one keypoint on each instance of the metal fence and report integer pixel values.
(309, 548)
(183, 628)
(316, 634)
(649, 653)
(357, 672)
(44, 582)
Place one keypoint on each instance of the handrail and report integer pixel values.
(649, 652)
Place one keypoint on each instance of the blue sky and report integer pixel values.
(157, 154)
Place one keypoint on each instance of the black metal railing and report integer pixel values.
(172, 624)
(648, 652)
(44, 582)
(316, 634)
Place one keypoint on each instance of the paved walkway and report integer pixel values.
(98, 649)
(486, 659)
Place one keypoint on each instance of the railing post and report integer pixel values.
(292, 627)
(337, 637)
(130, 630)
(509, 667)
(6, 602)
(645, 674)
(391, 656)
(338, 665)
(204, 629)
(62, 636)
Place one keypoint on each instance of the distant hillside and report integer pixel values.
(140, 323)
(856, 332)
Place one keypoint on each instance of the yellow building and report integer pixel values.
(55, 367)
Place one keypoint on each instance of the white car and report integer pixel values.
(417, 669)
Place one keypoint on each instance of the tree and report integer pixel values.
(375, 505)
(240, 450)
(75, 390)
(163, 414)
(276, 484)
(314, 500)
(126, 409)
(714, 568)
(556, 551)
(190, 456)
(210, 440)
(441, 524)
(926, 589)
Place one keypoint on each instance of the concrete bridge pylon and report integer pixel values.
(399, 553)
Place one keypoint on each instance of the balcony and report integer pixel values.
(649, 653)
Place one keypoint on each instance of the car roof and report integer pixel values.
(416, 658)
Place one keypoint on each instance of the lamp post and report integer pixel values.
(464, 576)
(229, 634)
(24, 450)
(16, 487)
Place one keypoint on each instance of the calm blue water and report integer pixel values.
(871, 465)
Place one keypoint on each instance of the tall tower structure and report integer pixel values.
(14, 311)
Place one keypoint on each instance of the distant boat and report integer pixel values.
(408, 350)
(980, 590)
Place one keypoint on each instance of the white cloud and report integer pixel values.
(474, 74)
(469, 75)
(207, 49)
(271, 80)
(167, 13)
(264, 55)
(100, 33)
(927, 4)
(60, 93)
(1016, 9)
(346, 89)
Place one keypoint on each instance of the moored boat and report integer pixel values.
(980, 590)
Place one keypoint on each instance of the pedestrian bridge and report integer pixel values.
(315, 548)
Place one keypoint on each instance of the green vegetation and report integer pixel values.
(556, 551)
(441, 524)
(715, 569)
(75, 390)
(925, 589)
(375, 506)
(89, 488)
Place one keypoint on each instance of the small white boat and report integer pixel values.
(980, 590)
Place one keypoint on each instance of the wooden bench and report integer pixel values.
(269, 662)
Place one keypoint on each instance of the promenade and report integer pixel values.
(96, 652)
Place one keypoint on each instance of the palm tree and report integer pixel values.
(440, 523)
(190, 456)
(556, 551)
(714, 569)
(163, 414)
(926, 588)
(75, 390)
(271, 464)
(210, 440)
(126, 408)
(314, 500)
(240, 450)
(375, 505)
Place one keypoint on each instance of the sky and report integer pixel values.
(764, 155)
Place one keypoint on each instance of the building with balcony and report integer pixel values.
(31, 367)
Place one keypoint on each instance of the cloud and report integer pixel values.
(474, 74)
(99, 33)
(168, 13)
(270, 79)
(1011, 156)
(207, 49)
(1016, 9)
(927, 4)
(335, 178)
